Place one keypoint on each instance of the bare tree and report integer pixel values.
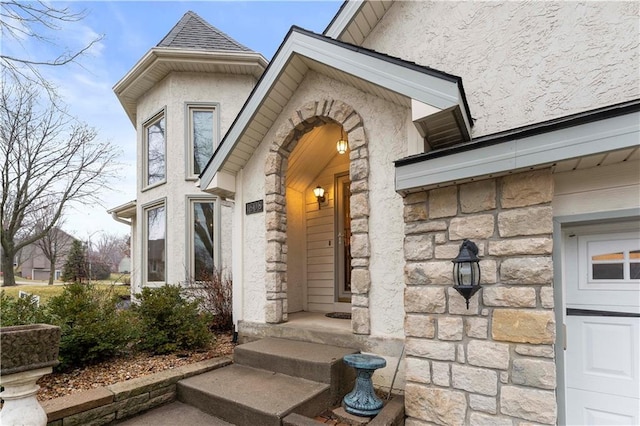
(49, 161)
(110, 249)
(22, 21)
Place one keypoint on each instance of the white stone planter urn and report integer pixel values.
(27, 352)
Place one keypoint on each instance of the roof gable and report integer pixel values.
(194, 33)
(392, 79)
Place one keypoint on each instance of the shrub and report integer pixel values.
(19, 311)
(93, 329)
(215, 293)
(170, 322)
(75, 268)
(100, 271)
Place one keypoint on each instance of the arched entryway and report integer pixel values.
(309, 118)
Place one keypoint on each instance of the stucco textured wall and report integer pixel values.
(229, 91)
(521, 62)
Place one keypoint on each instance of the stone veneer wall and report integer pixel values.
(493, 363)
(306, 118)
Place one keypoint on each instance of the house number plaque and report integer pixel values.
(254, 207)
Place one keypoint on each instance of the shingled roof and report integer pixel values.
(194, 33)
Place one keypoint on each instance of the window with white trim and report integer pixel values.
(156, 243)
(202, 238)
(202, 136)
(612, 259)
(155, 167)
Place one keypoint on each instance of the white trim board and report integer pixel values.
(529, 152)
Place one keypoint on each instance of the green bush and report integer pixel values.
(169, 322)
(100, 271)
(93, 329)
(19, 311)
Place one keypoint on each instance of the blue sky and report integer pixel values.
(130, 29)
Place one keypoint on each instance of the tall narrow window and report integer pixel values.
(155, 150)
(156, 243)
(202, 239)
(203, 137)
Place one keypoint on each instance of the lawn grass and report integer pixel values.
(48, 291)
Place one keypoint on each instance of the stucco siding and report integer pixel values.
(172, 94)
(521, 62)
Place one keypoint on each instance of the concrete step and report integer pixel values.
(312, 361)
(249, 396)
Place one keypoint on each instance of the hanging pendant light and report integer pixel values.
(342, 145)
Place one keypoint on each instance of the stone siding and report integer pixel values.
(494, 362)
(305, 119)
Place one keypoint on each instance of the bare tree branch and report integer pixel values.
(49, 161)
(21, 21)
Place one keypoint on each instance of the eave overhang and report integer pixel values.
(160, 61)
(389, 78)
(612, 129)
(355, 20)
(124, 211)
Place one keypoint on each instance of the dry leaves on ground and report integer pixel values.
(125, 368)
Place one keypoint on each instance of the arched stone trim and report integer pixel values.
(309, 116)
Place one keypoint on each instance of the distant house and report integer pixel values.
(33, 264)
(124, 267)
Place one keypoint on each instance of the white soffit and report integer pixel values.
(553, 147)
(356, 19)
(127, 210)
(160, 61)
(388, 78)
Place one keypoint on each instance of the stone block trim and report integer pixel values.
(493, 363)
(304, 119)
(104, 405)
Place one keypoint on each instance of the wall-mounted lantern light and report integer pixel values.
(466, 270)
(342, 145)
(319, 193)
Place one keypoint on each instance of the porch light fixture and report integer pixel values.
(342, 143)
(466, 270)
(319, 193)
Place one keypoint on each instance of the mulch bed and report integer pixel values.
(125, 368)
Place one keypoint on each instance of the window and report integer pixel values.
(155, 227)
(202, 137)
(155, 150)
(202, 238)
(611, 259)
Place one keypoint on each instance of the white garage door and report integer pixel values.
(602, 358)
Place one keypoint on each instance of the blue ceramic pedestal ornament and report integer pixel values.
(362, 400)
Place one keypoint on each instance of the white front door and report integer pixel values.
(602, 358)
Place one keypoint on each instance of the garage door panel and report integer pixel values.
(604, 354)
(601, 409)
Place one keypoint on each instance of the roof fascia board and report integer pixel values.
(583, 140)
(256, 98)
(170, 55)
(180, 55)
(424, 87)
(343, 18)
